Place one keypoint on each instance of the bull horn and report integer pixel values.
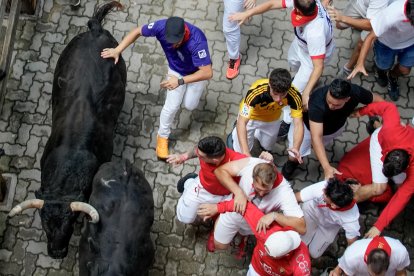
(30, 203)
(78, 206)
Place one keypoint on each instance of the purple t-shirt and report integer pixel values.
(188, 57)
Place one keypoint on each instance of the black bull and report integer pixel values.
(120, 243)
(88, 95)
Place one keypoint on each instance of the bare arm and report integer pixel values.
(203, 73)
(368, 191)
(313, 79)
(177, 159)
(262, 8)
(225, 174)
(360, 66)
(316, 130)
(128, 40)
(297, 139)
(242, 134)
(358, 23)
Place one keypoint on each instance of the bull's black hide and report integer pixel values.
(88, 95)
(119, 244)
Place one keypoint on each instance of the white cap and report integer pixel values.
(281, 243)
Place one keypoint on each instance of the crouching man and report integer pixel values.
(377, 256)
(328, 206)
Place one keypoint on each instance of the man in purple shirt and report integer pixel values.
(186, 49)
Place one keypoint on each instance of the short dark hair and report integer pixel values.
(339, 192)
(409, 11)
(280, 80)
(378, 261)
(395, 162)
(306, 7)
(340, 89)
(212, 146)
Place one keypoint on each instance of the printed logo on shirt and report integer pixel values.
(150, 25)
(202, 53)
(303, 264)
(245, 111)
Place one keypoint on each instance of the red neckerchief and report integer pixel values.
(345, 208)
(299, 19)
(377, 242)
(186, 34)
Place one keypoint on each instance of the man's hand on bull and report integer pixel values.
(170, 83)
(207, 211)
(110, 53)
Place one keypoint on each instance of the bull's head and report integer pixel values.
(57, 221)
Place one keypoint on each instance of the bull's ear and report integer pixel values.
(61, 82)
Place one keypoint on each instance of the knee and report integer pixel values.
(220, 246)
(169, 110)
(190, 106)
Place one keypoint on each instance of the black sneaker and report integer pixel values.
(288, 168)
(380, 76)
(180, 183)
(371, 124)
(283, 131)
(393, 88)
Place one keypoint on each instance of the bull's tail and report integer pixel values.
(95, 22)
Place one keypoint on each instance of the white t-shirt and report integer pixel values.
(280, 198)
(348, 220)
(392, 27)
(352, 262)
(316, 36)
(369, 7)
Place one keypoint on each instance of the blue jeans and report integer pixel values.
(385, 56)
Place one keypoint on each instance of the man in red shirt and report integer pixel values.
(205, 188)
(278, 251)
(397, 146)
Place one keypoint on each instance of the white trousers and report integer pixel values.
(231, 30)
(265, 132)
(305, 148)
(318, 236)
(194, 194)
(188, 94)
(300, 62)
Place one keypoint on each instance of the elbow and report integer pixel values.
(301, 228)
(208, 74)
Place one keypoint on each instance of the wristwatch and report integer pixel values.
(180, 81)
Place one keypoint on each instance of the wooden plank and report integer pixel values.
(9, 45)
(3, 4)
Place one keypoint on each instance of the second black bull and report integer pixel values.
(88, 95)
(120, 243)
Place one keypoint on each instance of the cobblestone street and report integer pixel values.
(25, 125)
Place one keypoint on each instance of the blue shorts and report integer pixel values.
(385, 56)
